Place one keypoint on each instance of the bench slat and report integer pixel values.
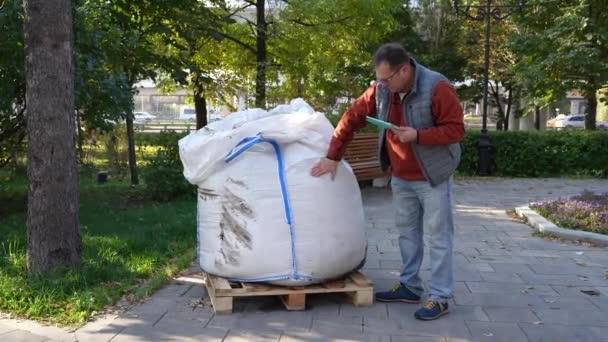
(362, 156)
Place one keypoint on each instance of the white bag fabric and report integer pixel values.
(261, 216)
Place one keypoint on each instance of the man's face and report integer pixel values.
(396, 79)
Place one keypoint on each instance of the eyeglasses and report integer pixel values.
(388, 79)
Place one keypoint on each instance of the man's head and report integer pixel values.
(393, 68)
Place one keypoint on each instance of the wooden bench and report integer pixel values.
(362, 156)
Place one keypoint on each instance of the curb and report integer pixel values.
(545, 226)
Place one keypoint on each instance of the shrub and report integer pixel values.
(514, 154)
(163, 175)
(540, 153)
(115, 146)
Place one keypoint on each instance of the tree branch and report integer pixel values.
(252, 27)
(233, 39)
(308, 24)
(237, 11)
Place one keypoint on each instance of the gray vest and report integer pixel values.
(437, 162)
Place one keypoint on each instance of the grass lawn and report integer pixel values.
(130, 246)
(588, 212)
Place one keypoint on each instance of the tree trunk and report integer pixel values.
(590, 118)
(499, 124)
(131, 137)
(260, 79)
(500, 116)
(79, 138)
(200, 103)
(537, 118)
(131, 146)
(200, 106)
(53, 226)
(509, 106)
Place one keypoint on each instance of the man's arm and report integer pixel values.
(449, 119)
(352, 120)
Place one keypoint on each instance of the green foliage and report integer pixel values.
(438, 38)
(130, 246)
(13, 198)
(560, 47)
(191, 49)
(540, 153)
(163, 173)
(319, 69)
(103, 94)
(12, 82)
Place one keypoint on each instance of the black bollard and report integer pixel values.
(102, 177)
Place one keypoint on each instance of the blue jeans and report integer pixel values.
(421, 208)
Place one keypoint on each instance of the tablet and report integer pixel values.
(379, 123)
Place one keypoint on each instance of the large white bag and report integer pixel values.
(261, 216)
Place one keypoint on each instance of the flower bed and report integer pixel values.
(587, 211)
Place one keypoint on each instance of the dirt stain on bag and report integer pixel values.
(206, 194)
(237, 204)
(227, 258)
(239, 183)
(233, 224)
(229, 224)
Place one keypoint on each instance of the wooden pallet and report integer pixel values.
(357, 287)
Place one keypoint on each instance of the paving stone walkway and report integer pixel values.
(511, 286)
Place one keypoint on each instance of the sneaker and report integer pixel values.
(399, 293)
(432, 309)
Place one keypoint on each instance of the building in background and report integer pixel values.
(164, 106)
(172, 106)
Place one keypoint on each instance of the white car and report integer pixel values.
(601, 124)
(571, 121)
(551, 122)
(187, 114)
(143, 117)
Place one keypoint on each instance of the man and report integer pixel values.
(421, 154)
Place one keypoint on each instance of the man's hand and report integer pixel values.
(324, 166)
(406, 134)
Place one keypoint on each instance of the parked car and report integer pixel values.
(143, 117)
(602, 124)
(571, 121)
(551, 122)
(187, 114)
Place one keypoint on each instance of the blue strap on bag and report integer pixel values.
(240, 148)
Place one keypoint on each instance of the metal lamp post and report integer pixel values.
(484, 12)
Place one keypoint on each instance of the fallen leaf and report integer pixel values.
(591, 292)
